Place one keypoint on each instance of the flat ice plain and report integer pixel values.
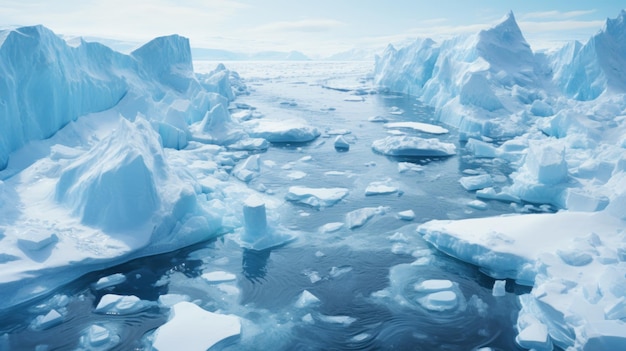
(273, 207)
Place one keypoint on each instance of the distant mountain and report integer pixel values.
(225, 55)
(355, 55)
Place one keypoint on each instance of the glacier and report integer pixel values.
(557, 117)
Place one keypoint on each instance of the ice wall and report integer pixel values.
(44, 84)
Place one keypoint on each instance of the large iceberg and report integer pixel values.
(558, 118)
(99, 146)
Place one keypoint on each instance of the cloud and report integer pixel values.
(556, 14)
(308, 26)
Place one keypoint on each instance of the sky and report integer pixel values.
(317, 28)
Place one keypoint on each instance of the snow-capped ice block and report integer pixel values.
(341, 143)
(413, 146)
(306, 299)
(283, 131)
(248, 169)
(407, 215)
(358, 218)
(418, 126)
(45, 84)
(476, 182)
(113, 185)
(534, 337)
(109, 281)
(255, 219)
(477, 204)
(440, 301)
(482, 149)
(316, 197)
(193, 328)
(98, 337)
(120, 304)
(491, 194)
(384, 187)
(167, 60)
(49, 320)
(218, 277)
(218, 81)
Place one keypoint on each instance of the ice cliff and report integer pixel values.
(92, 141)
(557, 118)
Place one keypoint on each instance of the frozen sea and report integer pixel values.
(368, 279)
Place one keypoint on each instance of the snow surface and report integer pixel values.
(413, 146)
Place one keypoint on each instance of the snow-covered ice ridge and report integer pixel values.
(559, 118)
(105, 157)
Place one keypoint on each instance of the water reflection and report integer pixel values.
(254, 264)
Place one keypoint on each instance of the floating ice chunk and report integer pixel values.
(49, 320)
(358, 218)
(378, 119)
(306, 299)
(343, 320)
(354, 98)
(433, 285)
(534, 336)
(36, 241)
(341, 143)
(413, 146)
(331, 227)
(481, 149)
(499, 288)
(248, 169)
(404, 167)
(192, 328)
(108, 281)
(418, 126)
(546, 163)
(283, 131)
(316, 197)
(296, 175)
(170, 300)
(255, 219)
(219, 277)
(476, 182)
(439, 301)
(407, 215)
(120, 304)
(250, 144)
(477, 204)
(395, 110)
(380, 188)
(491, 194)
(313, 276)
(336, 272)
(97, 337)
(308, 319)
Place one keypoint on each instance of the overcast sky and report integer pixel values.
(316, 28)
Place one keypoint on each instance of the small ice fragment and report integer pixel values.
(359, 337)
(343, 320)
(52, 318)
(308, 318)
(407, 215)
(108, 281)
(476, 182)
(306, 299)
(97, 335)
(439, 301)
(341, 143)
(499, 288)
(336, 272)
(433, 285)
(119, 304)
(380, 188)
(398, 237)
(378, 119)
(331, 227)
(418, 126)
(477, 204)
(316, 197)
(219, 277)
(296, 175)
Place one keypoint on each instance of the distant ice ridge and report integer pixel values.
(559, 119)
(114, 156)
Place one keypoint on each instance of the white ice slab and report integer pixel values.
(413, 146)
(418, 126)
(316, 197)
